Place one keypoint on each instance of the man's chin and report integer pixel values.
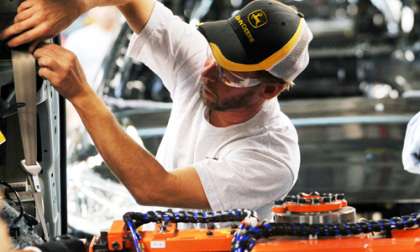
(210, 104)
(215, 107)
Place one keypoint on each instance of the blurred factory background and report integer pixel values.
(350, 106)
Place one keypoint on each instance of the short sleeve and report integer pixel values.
(247, 178)
(171, 48)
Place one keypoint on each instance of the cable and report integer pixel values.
(245, 238)
(21, 212)
(134, 235)
(134, 220)
(189, 216)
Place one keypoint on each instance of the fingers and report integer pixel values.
(23, 15)
(48, 74)
(55, 59)
(46, 57)
(60, 55)
(26, 37)
(28, 24)
(40, 19)
(56, 52)
(62, 68)
(48, 64)
(24, 5)
(45, 73)
(18, 28)
(41, 51)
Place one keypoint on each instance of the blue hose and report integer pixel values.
(134, 234)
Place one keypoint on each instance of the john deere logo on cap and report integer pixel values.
(257, 19)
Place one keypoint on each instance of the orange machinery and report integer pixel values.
(302, 223)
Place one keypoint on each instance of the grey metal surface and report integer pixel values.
(49, 121)
(356, 149)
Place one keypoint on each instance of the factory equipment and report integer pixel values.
(362, 122)
(304, 222)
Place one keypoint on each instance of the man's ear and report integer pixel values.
(271, 90)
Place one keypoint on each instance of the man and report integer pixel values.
(411, 150)
(227, 144)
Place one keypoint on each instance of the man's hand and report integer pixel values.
(37, 20)
(411, 150)
(62, 68)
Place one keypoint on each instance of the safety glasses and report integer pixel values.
(232, 79)
(235, 80)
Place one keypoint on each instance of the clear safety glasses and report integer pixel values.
(236, 80)
(230, 78)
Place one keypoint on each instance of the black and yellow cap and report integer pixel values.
(264, 35)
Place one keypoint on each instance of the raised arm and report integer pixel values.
(37, 20)
(138, 170)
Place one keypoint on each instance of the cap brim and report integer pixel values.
(225, 45)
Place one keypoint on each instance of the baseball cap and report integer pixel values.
(264, 35)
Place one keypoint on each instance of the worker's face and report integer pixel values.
(218, 93)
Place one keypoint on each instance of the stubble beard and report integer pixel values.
(229, 104)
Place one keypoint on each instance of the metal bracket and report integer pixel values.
(34, 170)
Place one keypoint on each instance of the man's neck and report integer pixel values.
(223, 119)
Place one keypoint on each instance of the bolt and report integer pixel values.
(115, 245)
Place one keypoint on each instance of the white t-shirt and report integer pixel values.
(248, 165)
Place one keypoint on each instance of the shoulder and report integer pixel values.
(274, 144)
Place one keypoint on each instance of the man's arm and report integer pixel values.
(140, 172)
(137, 169)
(37, 20)
(136, 12)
